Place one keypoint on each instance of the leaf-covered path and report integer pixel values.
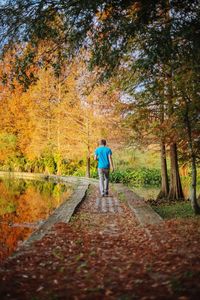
(103, 253)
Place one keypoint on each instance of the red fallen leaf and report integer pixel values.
(108, 292)
(135, 258)
(155, 285)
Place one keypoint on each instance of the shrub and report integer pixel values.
(14, 163)
(139, 176)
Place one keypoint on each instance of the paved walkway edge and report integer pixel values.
(62, 214)
(41, 176)
(143, 211)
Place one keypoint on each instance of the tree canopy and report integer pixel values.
(149, 48)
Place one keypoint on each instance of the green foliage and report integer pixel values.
(10, 157)
(14, 163)
(134, 158)
(36, 165)
(7, 141)
(49, 162)
(70, 167)
(175, 210)
(94, 172)
(140, 176)
(130, 167)
(7, 206)
(81, 169)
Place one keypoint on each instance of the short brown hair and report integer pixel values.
(102, 142)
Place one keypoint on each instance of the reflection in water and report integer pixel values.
(24, 205)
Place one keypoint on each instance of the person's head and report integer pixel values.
(102, 142)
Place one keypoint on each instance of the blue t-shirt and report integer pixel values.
(102, 154)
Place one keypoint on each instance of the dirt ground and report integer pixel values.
(104, 253)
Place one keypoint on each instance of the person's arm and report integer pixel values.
(96, 154)
(111, 162)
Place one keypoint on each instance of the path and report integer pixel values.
(105, 253)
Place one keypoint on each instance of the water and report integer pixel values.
(24, 206)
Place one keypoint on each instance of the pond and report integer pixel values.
(24, 206)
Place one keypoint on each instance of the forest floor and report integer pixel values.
(104, 253)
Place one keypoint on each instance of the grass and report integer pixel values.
(175, 210)
(132, 158)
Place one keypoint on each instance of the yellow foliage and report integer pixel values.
(68, 113)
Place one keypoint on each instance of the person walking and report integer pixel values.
(103, 155)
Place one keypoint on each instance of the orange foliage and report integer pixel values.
(68, 113)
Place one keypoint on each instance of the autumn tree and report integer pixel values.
(90, 110)
(61, 116)
(147, 35)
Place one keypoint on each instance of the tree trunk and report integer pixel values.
(165, 182)
(58, 162)
(193, 196)
(58, 148)
(88, 167)
(59, 131)
(175, 191)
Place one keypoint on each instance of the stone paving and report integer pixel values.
(105, 252)
(103, 205)
(143, 211)
(63, 214)
(108, 205)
